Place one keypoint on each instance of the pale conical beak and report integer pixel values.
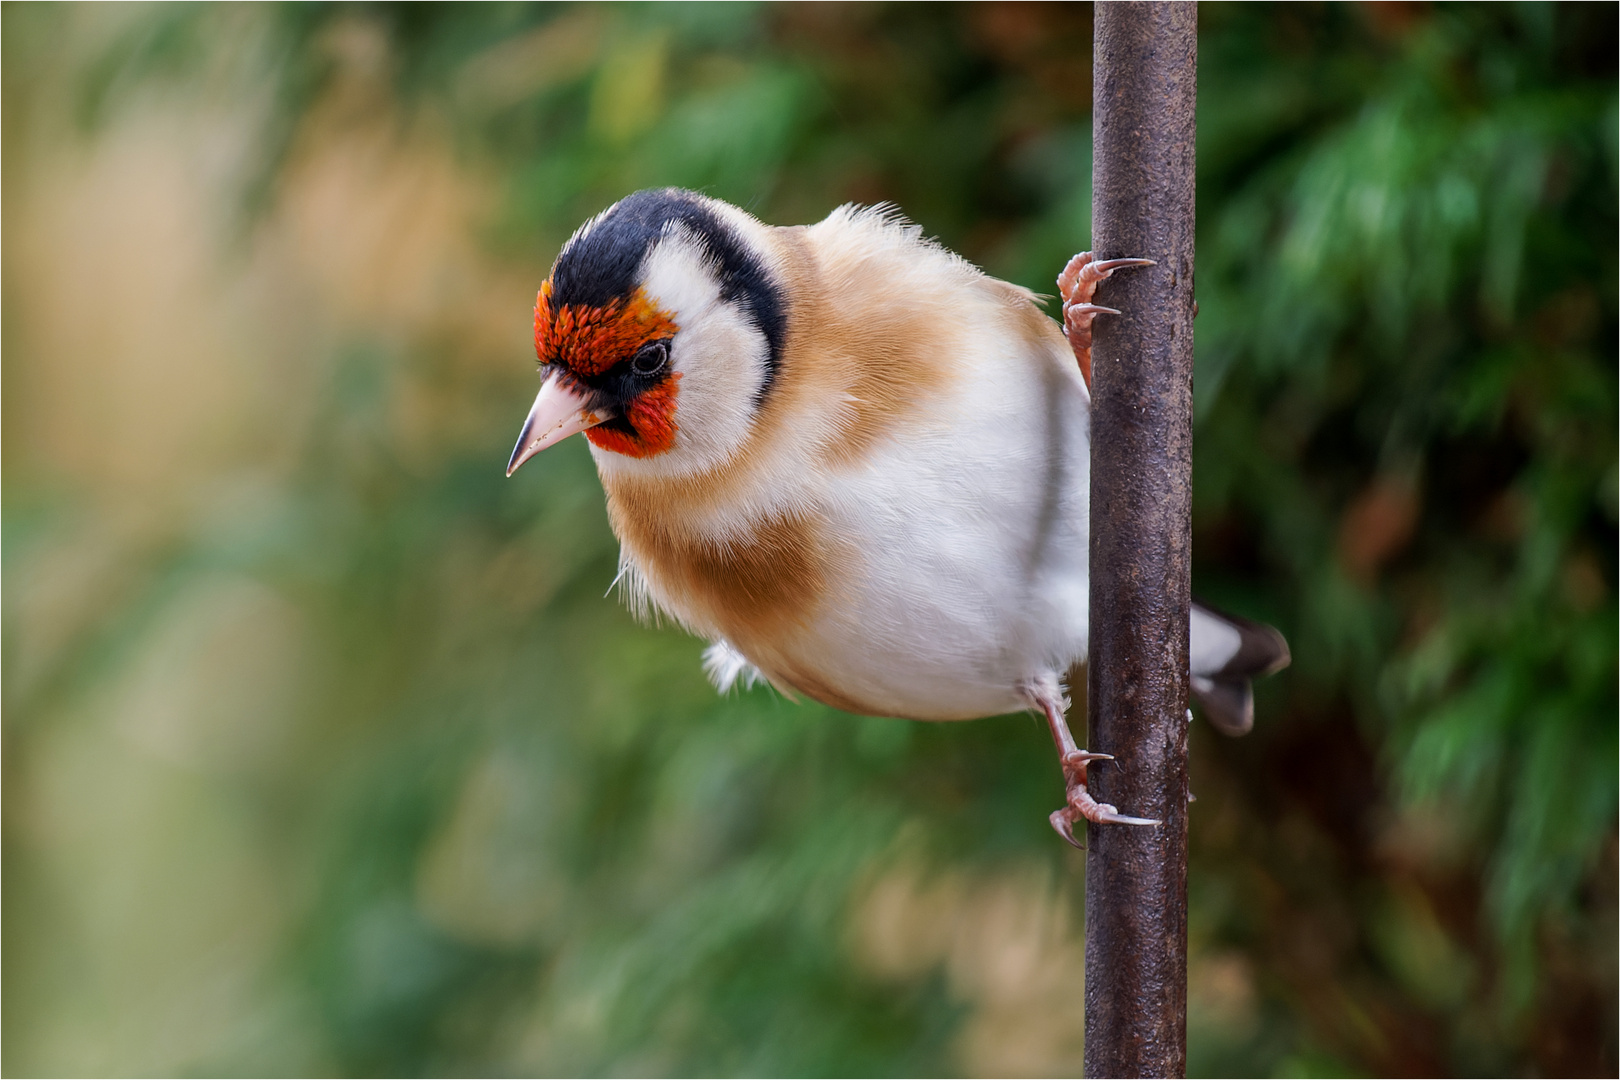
(558, 412)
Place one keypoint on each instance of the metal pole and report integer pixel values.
(1144, 89)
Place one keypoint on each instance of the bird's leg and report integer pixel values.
(1077, 284)
(1046, 697)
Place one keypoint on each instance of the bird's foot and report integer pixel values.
(1082, 805)
(1077, 284)
(1046, 696)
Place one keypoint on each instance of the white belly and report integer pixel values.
(972, 551)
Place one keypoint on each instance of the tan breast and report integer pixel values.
(757, 585)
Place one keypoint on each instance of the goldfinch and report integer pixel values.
(852, 461)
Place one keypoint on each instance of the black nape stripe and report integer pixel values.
(602, 265)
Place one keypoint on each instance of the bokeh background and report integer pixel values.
(324, 751)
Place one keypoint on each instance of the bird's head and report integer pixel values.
(658, 333)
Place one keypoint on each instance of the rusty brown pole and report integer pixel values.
(1143, 91)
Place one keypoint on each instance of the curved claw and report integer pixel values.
(1108, 266)
(1082, 804)
(1123, 819)
(1081, 757)
(1077, 284)
(1082, 273)
(1065, 828)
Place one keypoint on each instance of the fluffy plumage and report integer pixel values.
(862, 468)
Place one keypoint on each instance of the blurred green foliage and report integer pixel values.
(484, 822)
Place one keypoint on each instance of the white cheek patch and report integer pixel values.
(718, 352)
(679, 278)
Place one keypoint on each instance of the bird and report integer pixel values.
(849, 459)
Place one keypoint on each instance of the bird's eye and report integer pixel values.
(650, 360)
